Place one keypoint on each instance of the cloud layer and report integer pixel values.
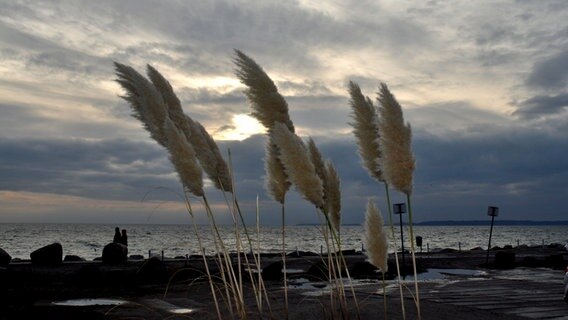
(484, 86)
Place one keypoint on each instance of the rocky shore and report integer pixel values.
(29, 289)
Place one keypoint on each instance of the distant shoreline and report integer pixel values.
(442, 223)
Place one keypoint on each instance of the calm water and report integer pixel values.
(88, 240)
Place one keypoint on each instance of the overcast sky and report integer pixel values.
(483, 83)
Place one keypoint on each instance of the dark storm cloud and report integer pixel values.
(542, 106)
(549, 78)
(551, 73)
(47, 55)
(111, 169)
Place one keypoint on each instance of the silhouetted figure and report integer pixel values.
(117, 237)
(124, 238)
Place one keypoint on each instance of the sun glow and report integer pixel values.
(243, 126)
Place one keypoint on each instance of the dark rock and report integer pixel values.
(448, 250)
(180, 258)
(318, 271)
(273, 271)
(114, 253)
(72, 258)
(136, 257)
(531, 262)
(49, 255)
(350, 252)
(363, 269)
(153, 271)
(301, 254)
(5, 258)
(477, 249)
(555, 261)
(505, 260)
(555, 246)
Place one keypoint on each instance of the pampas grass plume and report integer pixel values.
(206, 149)
(375, 237)
(183, 158)
(276, 182)
(298, 166)
(319, 166)
(146, 102)
(398, 162)
(333, 195)
(366, 130)
(267, 104)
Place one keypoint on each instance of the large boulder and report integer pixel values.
(318, 272)
(153, 271)
(5, 258)
(49, 255)
(115, 253)
(72, 258)
(505, 260)
(273, 271)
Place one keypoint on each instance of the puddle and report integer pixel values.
(437, 274)
(181, 310)
(322, 288)
(89, 302)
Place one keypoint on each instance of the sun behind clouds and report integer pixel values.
(242, 127)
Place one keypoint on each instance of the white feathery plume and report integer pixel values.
(267, 104)
(147, 104)
(183, 158)
(206, 149)
(319, 166)
(218, 170)
(276, 182)
(297, 164)
(375, 237)
(395, 142)
(366, 130)
(333, 195)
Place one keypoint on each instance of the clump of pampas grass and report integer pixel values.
(398, 161)
(155, 104)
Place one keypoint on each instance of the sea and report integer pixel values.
(88, 240)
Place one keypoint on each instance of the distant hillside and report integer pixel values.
(488, 222)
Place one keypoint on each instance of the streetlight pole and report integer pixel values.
(400, 208)
(492, 212)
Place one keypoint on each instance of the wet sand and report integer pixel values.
(523, 292)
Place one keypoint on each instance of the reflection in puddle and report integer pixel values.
(437, 274)
(89, 302)
(181, 310)
(444, 275)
